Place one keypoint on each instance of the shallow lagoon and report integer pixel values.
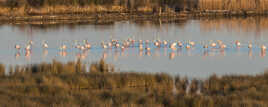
(195, 62)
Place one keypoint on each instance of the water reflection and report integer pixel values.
(222, 52)
(250, 53)
(104, 55)
(236, 24)
(148, 53)
(232, 24)
(171, 55)
(205, 53)
(28, 55)
(17, 55)
(63, 53)
(263, 53)
(45, 53)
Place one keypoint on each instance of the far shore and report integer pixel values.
(76, 11)
(105, 17)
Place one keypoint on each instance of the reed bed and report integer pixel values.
(70, 84)
(234, 5)
(85, 7)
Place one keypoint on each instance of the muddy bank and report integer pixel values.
(106, 18)
(89, 18)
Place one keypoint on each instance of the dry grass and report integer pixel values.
(59, 84)
(234, 5)
(74, 7)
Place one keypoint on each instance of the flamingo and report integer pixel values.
(157, 44)
(147, 41)
(110, 44)
(263, 47)
(173, 46)
(122, 48)
(30, 42)
(28, 47)
(17, 47)
(140, 47)
(249, 45)
(45, 45)
(78, 46)
(213, 45)
(165, 43)
(82, 48)
(180, 44)
(63, 47)
(205, 46)
(147, 49)
(237, 43)
(105, 46)
(192, 43)
(223, 46)
(117, 45)
(28, 53)
(140, 41)
(219, 42)
(129, 39)
(126, 44)
(87, 45)
(132, 41)
(188, 46)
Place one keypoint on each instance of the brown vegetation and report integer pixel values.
(69, 84)
(234, 5)
(98, 8)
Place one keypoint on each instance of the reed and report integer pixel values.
(85, 7)
(69, 84)
(234, 5)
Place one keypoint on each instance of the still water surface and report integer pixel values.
(195, 62)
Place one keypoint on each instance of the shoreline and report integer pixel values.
(102, 18)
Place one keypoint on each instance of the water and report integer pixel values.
(193, 63)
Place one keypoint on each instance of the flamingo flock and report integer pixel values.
(141, 45)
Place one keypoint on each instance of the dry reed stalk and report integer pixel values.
(145, 9)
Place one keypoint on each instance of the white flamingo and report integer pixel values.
(213, 45)
(28, 47)
(237, 43)
(45, 45)
(249, 45)
(263, 47)
(17, 47)
(192, 43)
(223, 46)
(63, 47)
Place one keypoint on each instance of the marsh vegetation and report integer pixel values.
(70, 84)
(126, 9)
